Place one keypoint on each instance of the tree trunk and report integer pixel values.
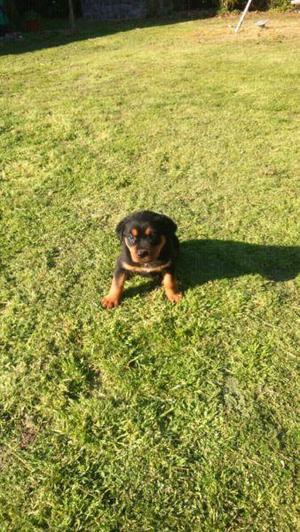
(71, 15)
(12, 12)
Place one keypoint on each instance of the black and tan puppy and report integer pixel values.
(149, 247)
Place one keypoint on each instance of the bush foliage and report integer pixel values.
(59, 8)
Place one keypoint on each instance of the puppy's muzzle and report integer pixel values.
(142, 253)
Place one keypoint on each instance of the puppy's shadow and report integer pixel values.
(141, 289)
(201, 261)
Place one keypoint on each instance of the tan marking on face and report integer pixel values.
(154, 251)
(157, 249)
(134, 231)
(148, 231)
(133, 252)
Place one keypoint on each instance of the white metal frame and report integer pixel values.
(240, 22)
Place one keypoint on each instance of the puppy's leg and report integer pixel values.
(170, 286)
(113, 297)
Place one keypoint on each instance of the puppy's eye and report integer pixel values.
(131, 239)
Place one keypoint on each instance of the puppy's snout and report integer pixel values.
(142, 253)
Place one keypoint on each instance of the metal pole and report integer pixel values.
(243, 16)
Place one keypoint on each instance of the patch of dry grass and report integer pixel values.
(221, 29)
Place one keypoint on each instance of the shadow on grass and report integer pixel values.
(207, 260)
(202, 261)
(142, 289)
(60, 35)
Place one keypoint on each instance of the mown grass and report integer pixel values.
(152, 416)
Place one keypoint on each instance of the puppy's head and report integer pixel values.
(145, 234)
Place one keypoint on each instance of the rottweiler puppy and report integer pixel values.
(149, 248)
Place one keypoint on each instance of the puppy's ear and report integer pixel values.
(121, 226)
(168, 226)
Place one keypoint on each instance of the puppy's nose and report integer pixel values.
(142, 253)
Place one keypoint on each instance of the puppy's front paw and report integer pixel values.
(174, 297)
(110, 301)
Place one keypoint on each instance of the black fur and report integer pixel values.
(163, 223)
(162, 226)
(149, 247)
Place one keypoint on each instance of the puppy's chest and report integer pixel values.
(146, 270)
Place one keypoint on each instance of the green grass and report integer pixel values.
(151, 416)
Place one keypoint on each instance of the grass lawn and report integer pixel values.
(151, 416)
